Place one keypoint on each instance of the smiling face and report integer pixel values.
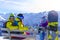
(12, 19)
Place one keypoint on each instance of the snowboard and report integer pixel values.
(52, 25)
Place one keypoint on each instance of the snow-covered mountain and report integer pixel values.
(29, 18)
(2, 19)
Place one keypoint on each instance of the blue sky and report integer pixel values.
(33, 6)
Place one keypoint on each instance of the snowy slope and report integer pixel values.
(1, 38)
(2, 19)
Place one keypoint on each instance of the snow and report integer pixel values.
(1, 38)
(1, 18)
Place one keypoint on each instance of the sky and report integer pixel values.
(28, 6)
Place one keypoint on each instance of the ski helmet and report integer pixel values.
(20, 16)
(54, 13)
(11, 15)
(44, 17)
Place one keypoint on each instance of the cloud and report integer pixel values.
(31, 5)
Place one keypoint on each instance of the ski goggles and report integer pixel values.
(11, 16)
(20, 17)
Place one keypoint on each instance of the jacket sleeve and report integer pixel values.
(21, 27)
(10, 26)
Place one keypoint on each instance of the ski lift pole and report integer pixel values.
(9, 34)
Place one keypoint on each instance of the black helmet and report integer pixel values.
(20, 16)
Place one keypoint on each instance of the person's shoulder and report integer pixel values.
(19, 22)
(8, 22)
(16, 19)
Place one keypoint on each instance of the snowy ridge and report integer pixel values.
(1, 18)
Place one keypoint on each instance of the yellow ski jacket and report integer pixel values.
(21, 26)
(10, 26)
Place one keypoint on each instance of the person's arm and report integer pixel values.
(10, 26)
(21, 27)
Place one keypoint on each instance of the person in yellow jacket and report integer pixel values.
(11, 23)
(19, 18)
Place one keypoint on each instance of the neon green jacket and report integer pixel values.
(10, 26)
(21, 26)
